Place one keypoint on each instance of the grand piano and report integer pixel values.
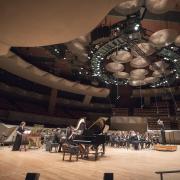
(93, 139)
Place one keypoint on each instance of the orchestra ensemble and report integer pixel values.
(84, 139)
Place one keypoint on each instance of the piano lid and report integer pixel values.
(98, 126)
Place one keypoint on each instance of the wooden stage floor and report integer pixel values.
(125, 164)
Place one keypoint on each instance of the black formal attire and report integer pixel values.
(163, 134)
(163, 137)
(18, 140)
(134, 141)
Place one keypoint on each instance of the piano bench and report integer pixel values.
(70, 150)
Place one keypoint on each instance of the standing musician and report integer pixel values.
(134, 140)
(161, 124)
(18, 141)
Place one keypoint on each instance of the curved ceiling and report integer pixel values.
(39, 23)
(19, 67)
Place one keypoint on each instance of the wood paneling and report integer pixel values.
(125, 164)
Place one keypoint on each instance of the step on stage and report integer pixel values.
(162, 147)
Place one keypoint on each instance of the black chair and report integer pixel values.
(55, 146)
(32, 176)
(70, 150)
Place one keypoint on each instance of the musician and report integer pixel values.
(56, 135)
(147, 140)
(18, 141)
(134, 140)
(163, 137)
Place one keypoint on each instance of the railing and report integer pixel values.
(166, 172)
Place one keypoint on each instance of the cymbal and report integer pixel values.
(121, 75)
(121, 56)
(163, 37)
(129, 7)
(160, 6)
(139, 62)
(177, 40)
(114, 67)
(147, 48)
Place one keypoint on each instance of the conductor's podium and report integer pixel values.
(161, 147)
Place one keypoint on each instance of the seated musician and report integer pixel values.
(117, 139)
(147, 140)
(62, 139)
(18, 141)
(56, 137)
(72, 132)
(142, 140)
(127, 139)
(123, 139)
(112, 139)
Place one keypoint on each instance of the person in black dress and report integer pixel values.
(17, 143)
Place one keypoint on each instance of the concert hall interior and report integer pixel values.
(90, 89)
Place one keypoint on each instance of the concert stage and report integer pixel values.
(125, 164)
